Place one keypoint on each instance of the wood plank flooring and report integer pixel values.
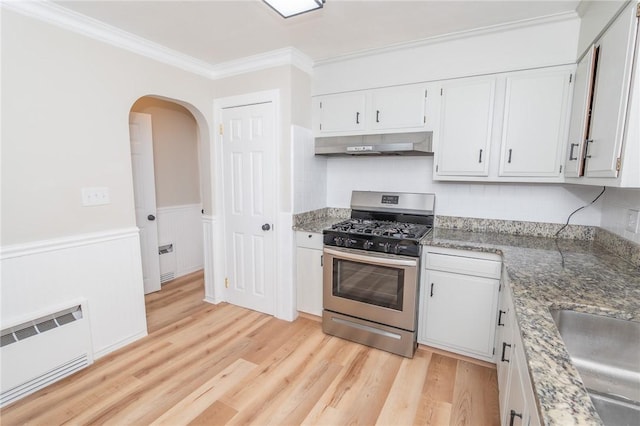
(215, 365)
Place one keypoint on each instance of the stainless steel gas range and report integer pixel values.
(371, 271)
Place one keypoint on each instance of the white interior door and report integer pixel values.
(145, 197)
(248, 146)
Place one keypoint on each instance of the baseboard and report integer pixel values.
(118, 345)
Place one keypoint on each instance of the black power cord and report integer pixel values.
(604, 188)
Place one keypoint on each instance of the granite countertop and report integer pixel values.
(592, 280)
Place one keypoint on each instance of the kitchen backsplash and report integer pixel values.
(626, 249)
(516, 227)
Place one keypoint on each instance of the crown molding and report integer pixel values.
(67, 19)
(498, 28)
(273, 58)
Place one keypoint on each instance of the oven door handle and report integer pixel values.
(369, 258)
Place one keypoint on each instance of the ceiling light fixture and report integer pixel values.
(289, 8)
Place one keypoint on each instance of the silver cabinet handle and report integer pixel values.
(357, 118)
(571, 157)
(509, 160)
(588, 141)
(480, 157)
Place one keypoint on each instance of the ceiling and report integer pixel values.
(217, 31)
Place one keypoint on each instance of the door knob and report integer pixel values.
(266, 227)
(151, 217)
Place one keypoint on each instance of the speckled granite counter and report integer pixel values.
(592, 280)
(317, 220)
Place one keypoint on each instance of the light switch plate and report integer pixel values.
(95, 196)
(632, 221)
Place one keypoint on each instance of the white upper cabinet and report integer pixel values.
(610, 95)
(385, 110)
(534, 128)
(578, 126)
(398, 107)
(344, 112)
(604, 141)
(466, 120)
(509, 127)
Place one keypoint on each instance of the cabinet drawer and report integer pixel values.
(309, 240)
(464, 265)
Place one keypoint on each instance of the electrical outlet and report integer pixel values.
(95, 196)
(632, 221)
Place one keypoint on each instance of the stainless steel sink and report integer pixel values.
(606, 353)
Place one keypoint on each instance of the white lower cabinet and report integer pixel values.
(517, 401)
(309, 272)
(458, 302)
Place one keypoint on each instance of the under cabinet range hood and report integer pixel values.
(418, 143)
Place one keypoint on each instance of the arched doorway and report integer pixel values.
(177, 185)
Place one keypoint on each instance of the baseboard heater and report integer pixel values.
(38, 352)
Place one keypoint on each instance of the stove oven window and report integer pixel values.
(372, 284)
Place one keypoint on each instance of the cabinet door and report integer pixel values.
(610, 96)
(534, 126)
(514, 410)
(580, 112)
(466, 119)
(309, 280)
(460, 311)
(398, 107)
(341, 113)
(504, 342)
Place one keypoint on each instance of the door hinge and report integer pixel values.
(570, 78)
(618, 164)
(226, 282)
(221, 129)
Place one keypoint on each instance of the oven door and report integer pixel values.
(371, 286)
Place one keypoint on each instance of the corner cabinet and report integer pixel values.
(604, 140)
(517, 400)
(383, 110)
(309, 272)
(458, 301)
(509, 127)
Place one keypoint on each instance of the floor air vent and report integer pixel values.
(41, 351)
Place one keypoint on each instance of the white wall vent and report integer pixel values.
(43, 350)
(167, 262)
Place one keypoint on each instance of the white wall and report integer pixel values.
(65, 107)
(551, 43)
(527, 202)
(65, 113)
(310, 171)
(615, 208)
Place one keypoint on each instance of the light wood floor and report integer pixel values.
(205, 365)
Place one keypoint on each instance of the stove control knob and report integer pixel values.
(367, 244)
(338, 240)
(387, 247)
(347, 242)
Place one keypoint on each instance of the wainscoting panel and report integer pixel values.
(103, 268)
(182, 227)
